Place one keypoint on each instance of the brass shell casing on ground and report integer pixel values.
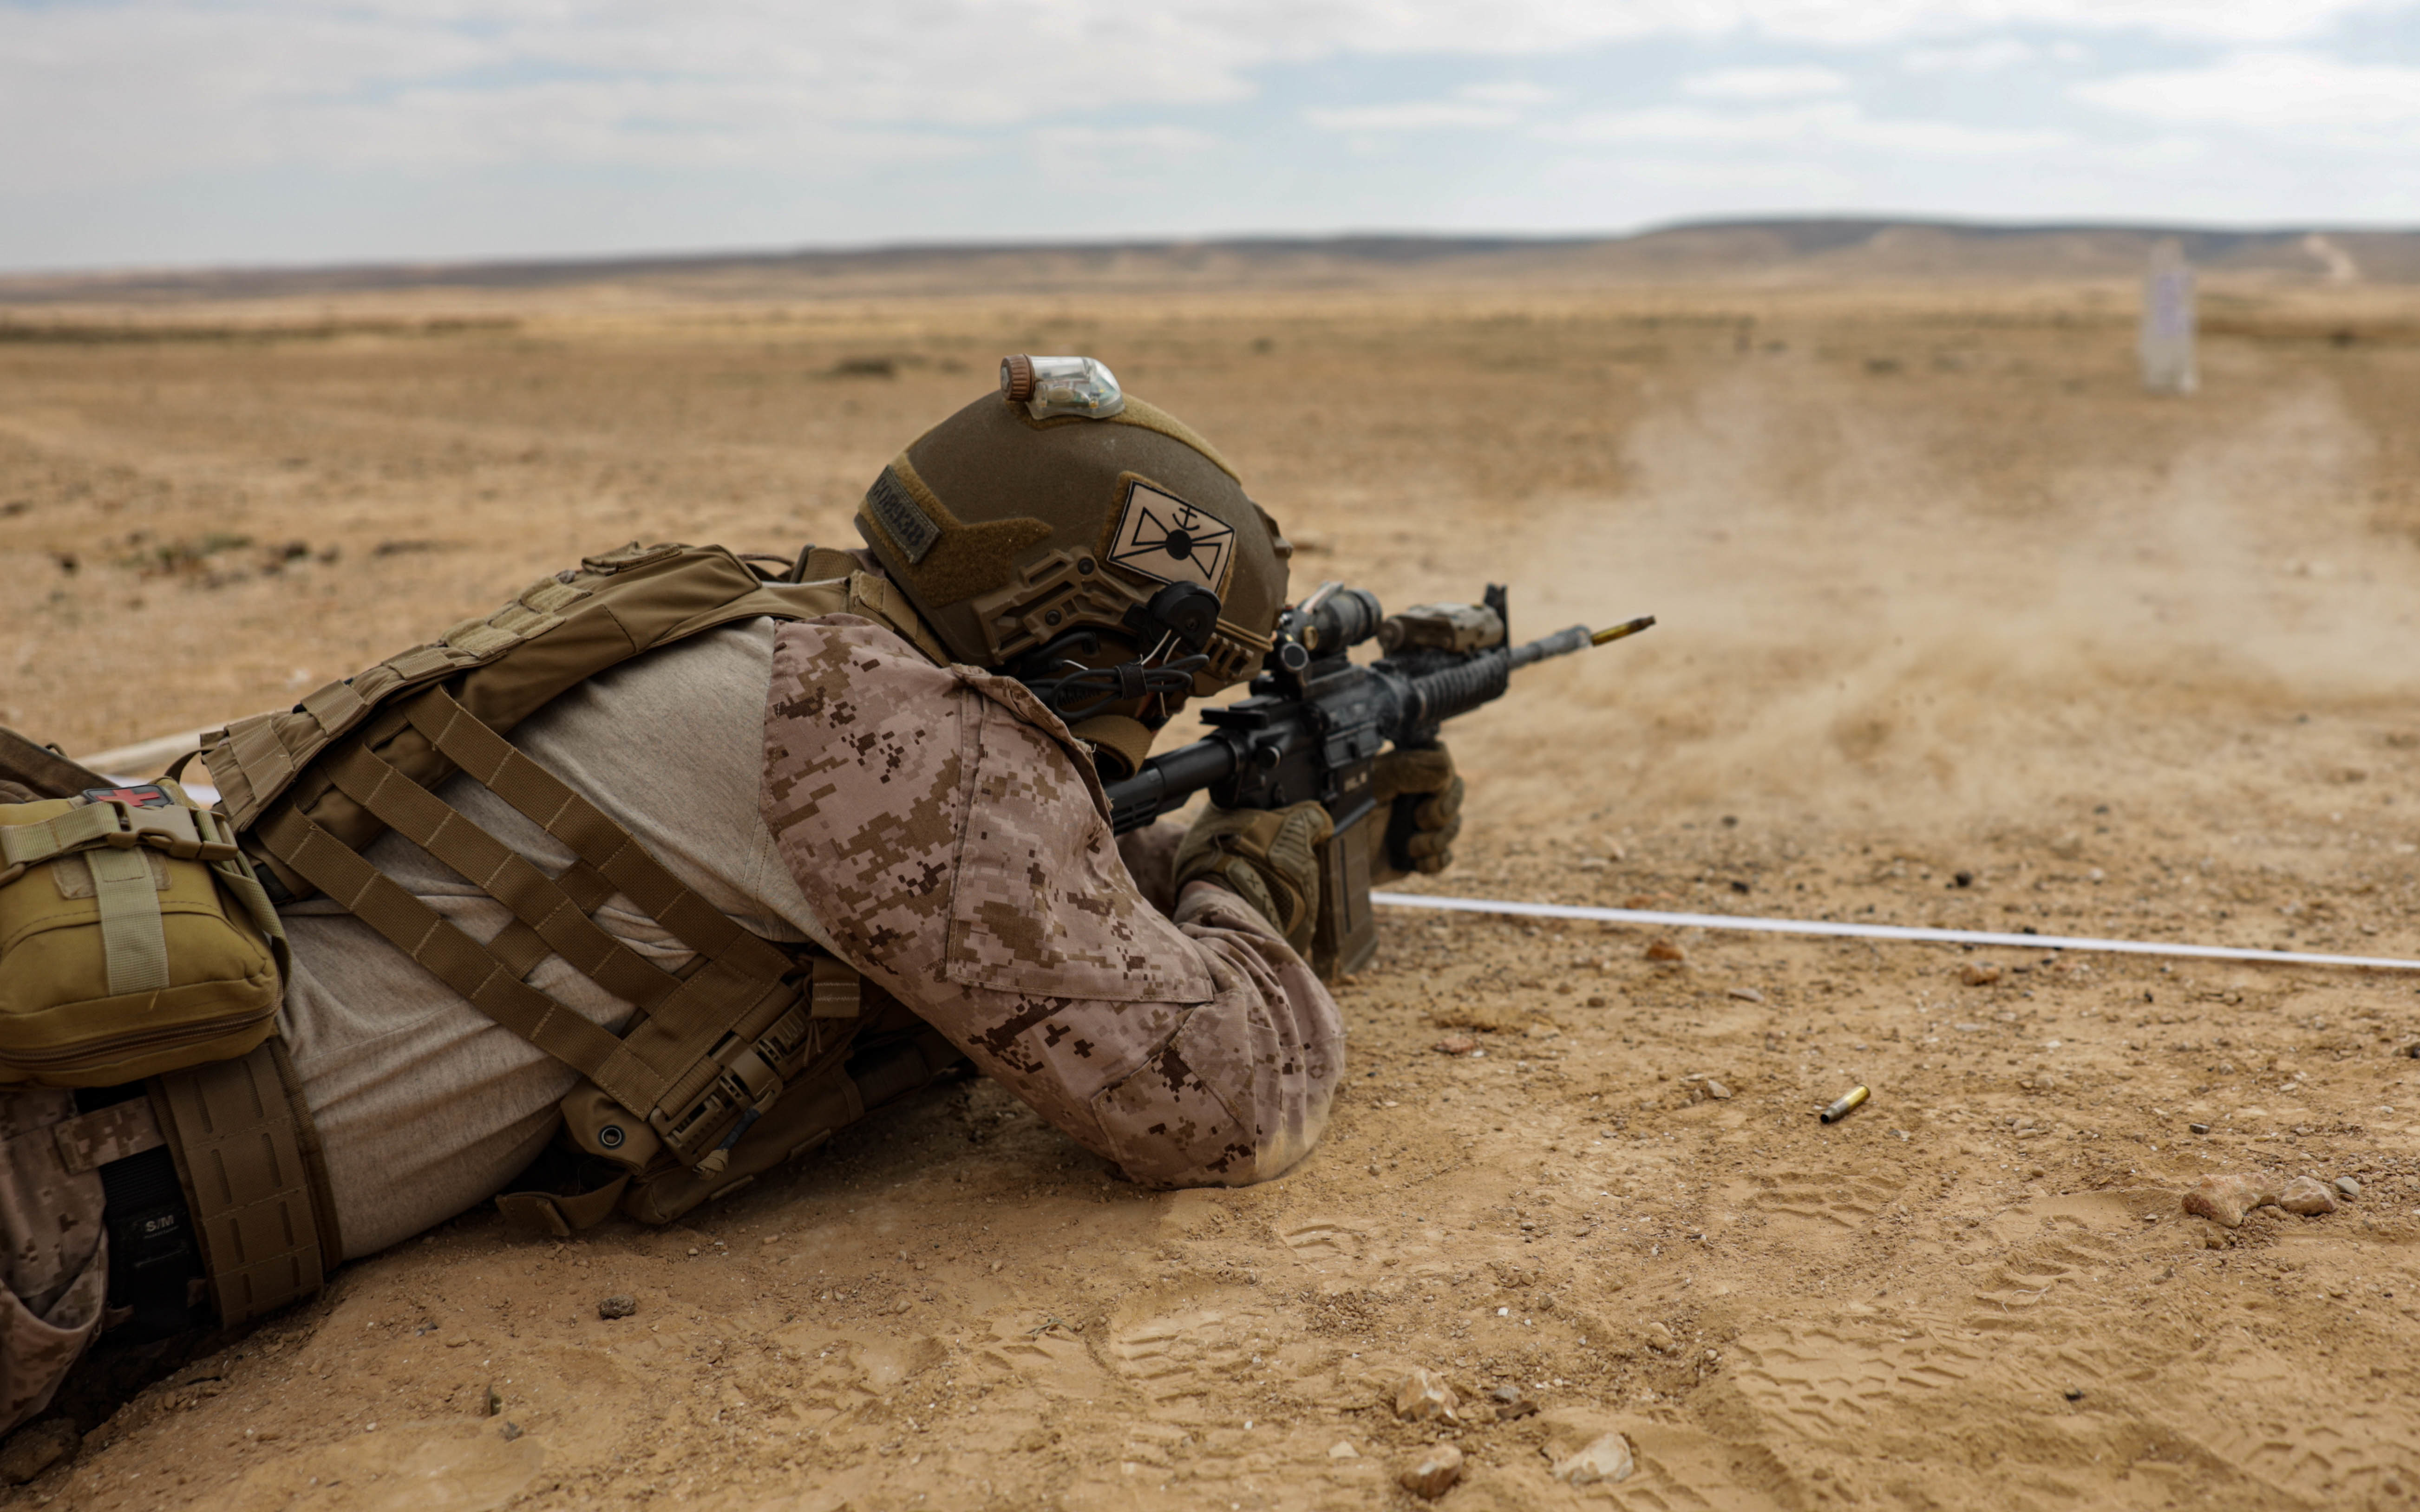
(1854, 1100)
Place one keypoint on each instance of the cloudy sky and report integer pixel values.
(153, 133)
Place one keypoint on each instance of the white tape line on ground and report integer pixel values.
(1879, 931)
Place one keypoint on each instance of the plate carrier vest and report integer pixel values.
(752, 1054)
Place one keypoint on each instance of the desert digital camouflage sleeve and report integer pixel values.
(951, 835)
(54, 1256)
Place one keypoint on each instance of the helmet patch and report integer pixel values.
(1162, 537)
(910, 528)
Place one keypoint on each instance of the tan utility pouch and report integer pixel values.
(133, 940)
(838, 1078)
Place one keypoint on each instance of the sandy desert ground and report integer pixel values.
(1957, 627)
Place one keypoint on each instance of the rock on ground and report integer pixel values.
(2307, 1197)
(1607, 1459)
(1424, 1397)
(1433, 1473)
(2226, 1198)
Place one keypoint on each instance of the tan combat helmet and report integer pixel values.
(1061, 504)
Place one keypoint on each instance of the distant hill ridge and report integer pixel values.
(1778, 249)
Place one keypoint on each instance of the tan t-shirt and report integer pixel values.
(426, 1105)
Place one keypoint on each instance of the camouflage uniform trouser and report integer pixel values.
(54, 1271)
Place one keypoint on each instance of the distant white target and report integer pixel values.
(2166, 343)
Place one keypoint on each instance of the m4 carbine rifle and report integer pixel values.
(1316, 722)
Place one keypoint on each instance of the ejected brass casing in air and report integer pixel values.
(1846, 1105)
(1577, 638)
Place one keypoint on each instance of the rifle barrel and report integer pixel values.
(1578, 638)
(1561, 643)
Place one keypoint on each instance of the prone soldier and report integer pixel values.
(648, 883)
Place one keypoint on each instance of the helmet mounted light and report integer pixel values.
(1049, 387)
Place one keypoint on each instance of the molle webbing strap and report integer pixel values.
(42, 769)
(546, 801)
(707, 1027)
(685, 1067)
(91, 1140)
(248, 1179)
(686, 1016)
(250, 760)
(334, 707)
(522, 947)
(503, 873)
(554, 1215)
(460, 962)
(133, 941)
(27, 845)
(837, 990)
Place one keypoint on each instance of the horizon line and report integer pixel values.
(467, 270)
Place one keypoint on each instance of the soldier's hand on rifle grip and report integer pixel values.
(1267, 856)
(1425, 796)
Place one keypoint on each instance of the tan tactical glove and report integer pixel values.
(1421, 829)
(1266, 857)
